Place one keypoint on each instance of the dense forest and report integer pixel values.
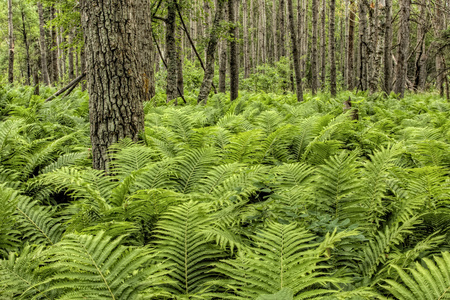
(225, 149)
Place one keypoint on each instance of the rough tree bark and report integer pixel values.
(210, 52)
(421, 54)
(282, 40)
(379, 49)
(71, 54)
(295, 53)
(351, 38)
(403, 49)
(332, 42)
(223, 59)
(234, 59)
(11, 43)
(439, 26)
(323, 46)
(171, 52)
(388, 48)
(27, 48)
(245, 35)
(363, 53)
(314, 56)
(115, 106)
(43, 45)
(54, 51)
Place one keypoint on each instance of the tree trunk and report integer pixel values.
(274, 31)
(83, 68)
(388, 49)
(180, 81)
(71, 68)
(145, 46)
(210, 51)
(54, 51)
(282, 43)
(27, 49)
(403, 50)
(223, 59)
(234, 59)
(295, 53)
(245, 33)
(350, 41)
(115, 106)
(439, 25)
(171, 52)
(333, 88)
(363, 51)
(314, 56)
(421, 56)
(11, 43)
(43, 45)
(380, 32)
(323, 46)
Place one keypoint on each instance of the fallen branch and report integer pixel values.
(70, 86)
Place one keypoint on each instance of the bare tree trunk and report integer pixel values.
(333, 88)
(304, 36)
(282, 42)
(71, 67)
(388, 49)
(83, 68)
(380, 32)
(323, 45)
(350, 42)
(363, 53)
(245, 33)
(43, 45)
(11, 43)
(223, 59)
(314, 56)
(403, 50)
(274, 31)
(421, 56)
(171, 49)
(234, 59)
(212, 45)
(27, 48)
(54, 50)
(439, 25)
(295, 53)
(115, 104)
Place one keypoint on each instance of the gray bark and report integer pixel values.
(171, 52)
(403, 49)
(314, 56)
(234, 59)
(43, 45)
(332, 42)
(295, 53)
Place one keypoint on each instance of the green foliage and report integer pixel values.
(259, 198)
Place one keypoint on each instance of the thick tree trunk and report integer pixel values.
(388, 49)
(295, 53)
(210, 52)
(379, 49)
(332, 42)
(27, 49)
(234, 59)
(11, 43)
(403, 49)
(43, 45)
(115, 106)
(323, 46)
(171, 52)
(314, 56)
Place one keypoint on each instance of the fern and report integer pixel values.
(98, 267)
(182, 244)
(8, 235)
(430, 280)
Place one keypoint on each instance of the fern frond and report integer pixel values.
(99, 267)
(244, 147)
(217, 175)
(8, 235)
(65, 160)
(430, 281)
(181, 243)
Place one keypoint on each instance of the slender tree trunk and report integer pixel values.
(245, 33)
(282, 44)
(304, 36)
(43, 45)
(83, 68)
(54, 50)
(350, 42)
(314, 56)
(323, 46)
(11, 43)
(27, 49)
(234, 59)
(180, 80)
(380, 32)
(403, 50)
(115, 104)
(295, 53)
(37, 65)
(274, 31)
(421, 56)
(71, 65)
(210, 52)
(388, 48)
(439, 25)
(333, 88)
(363, 51)
(223, 59)
(171, 52)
